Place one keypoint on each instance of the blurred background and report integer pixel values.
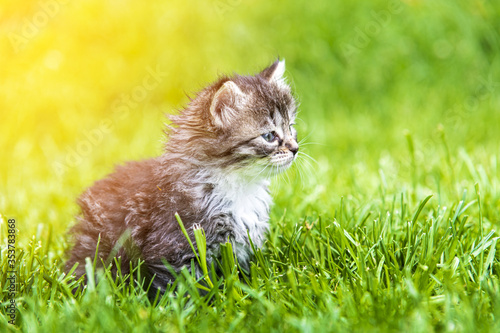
(395, 96)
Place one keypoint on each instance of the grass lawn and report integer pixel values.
(391, 225)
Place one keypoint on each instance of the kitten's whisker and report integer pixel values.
(302, 144)
(280, 179)
(287, 175)
(281, 175)
(301, 167)
(297, 118)
(270, 172)
(260, 172)
(298, 166)
(307, 162)
(304, 154)
(304, 165)
(307, 156)
(277, 173)
(305, 138)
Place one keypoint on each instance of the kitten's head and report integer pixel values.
(241, 123)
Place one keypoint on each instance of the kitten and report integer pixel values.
(221, 151)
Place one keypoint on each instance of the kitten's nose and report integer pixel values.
(292, 146)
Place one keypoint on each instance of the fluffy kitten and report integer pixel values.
(221, 151)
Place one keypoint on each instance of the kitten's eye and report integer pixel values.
(269, 137)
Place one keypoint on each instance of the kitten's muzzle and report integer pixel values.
(292, 146)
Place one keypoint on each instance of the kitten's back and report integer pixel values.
(103, 211)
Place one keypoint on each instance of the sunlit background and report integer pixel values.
(391, 93)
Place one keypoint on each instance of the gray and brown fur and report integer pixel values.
(214, 173)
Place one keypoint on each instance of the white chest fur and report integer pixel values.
(250, 209)
(248, 204)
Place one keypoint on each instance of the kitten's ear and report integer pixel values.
(225, 102)
(274, 72)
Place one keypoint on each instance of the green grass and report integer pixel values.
(393, 227)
